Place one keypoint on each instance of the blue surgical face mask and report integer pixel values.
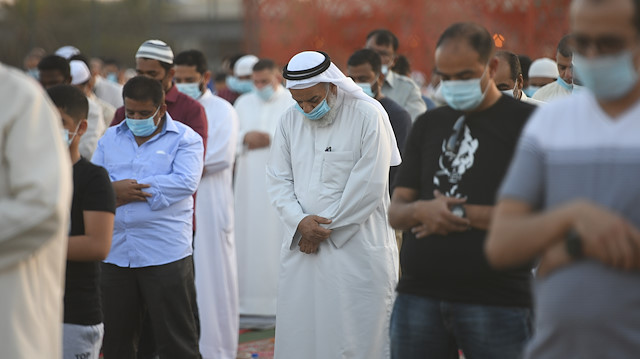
(609, 77)
(529, 91)
(366, 87)
(191, 89)
(318, 112)
(143, 127)
(65, 135)
(239, 86)
(463, 95)
(111, 76)
(266, 92)
(564, 84)
(34, 73)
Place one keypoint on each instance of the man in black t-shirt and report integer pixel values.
(92, 214)
(364, 67)
(449, 298)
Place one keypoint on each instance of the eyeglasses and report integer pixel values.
(453, 143)
(604, 45)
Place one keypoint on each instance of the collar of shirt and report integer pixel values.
(390, 78)
(172, 95)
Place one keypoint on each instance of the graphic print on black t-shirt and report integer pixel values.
(453, 165)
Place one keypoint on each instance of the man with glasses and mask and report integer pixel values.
(570, 198)
(400, 89)
(215, 256)
(454, 161)
(364, 68)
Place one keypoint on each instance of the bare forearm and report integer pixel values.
(401, 215)
(85, 248)
(479, 216)
(553, 259)
(515, 239)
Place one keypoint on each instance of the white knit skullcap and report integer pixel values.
(544, 67)
(67, 51)
(79, 72)
(156, 50)
(244, 65)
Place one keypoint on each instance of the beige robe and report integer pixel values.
(35, 201)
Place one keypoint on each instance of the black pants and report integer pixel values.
(166, 293)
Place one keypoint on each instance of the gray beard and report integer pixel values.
(330, 117)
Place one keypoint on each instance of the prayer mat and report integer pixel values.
(256, 342)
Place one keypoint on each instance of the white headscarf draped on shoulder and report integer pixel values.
(310, 68)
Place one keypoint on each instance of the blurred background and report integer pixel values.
(276, 29)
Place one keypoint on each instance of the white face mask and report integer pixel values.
(384, 69)
(511, 92)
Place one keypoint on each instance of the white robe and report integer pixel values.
(35, 202)
(550, 92)
(95, 130)
(336, 303)
(258, 228)
(214, 245)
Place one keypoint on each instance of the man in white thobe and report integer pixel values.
(35, 197)
(258, 228)
(214, 245)
(328, 179)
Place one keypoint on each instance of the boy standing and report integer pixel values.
(91, 229)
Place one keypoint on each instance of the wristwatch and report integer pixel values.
(573, 245)
(459, 211)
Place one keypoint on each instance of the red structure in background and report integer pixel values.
(281, 28)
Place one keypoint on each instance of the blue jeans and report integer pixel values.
(425, 328)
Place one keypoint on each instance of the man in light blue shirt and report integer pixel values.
(155, 164)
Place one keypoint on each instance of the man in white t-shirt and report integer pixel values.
(571, 196)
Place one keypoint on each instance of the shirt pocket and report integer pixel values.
(336, 168)
(158, 163)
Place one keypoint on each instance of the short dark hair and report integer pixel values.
(402, 66)
(234, 58)
(477, 36)
(265, 64)
(525, 63)
(80, 57)
(366, 56)
(513, 61)
(55, 63)
(564, 46)
(192, 58)
(71, 100)
(384, 37)
(142, 88)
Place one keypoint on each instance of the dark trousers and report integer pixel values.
(422, 328)
(166, 293)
